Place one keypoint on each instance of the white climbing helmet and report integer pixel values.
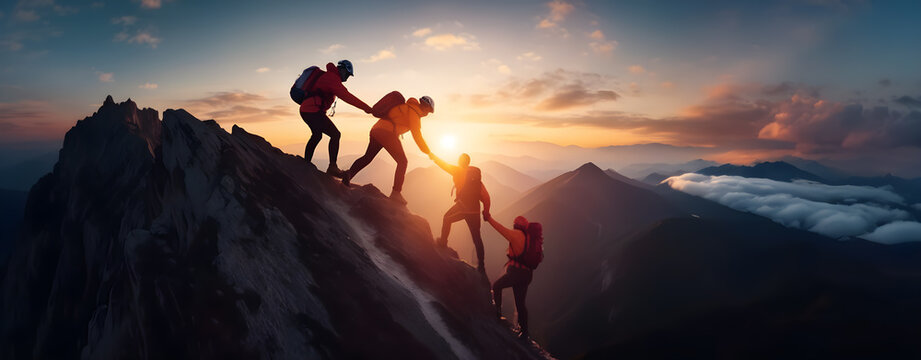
(427, 100)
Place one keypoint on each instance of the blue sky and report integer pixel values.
(587, 73)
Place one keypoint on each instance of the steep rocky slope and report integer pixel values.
(177, 239)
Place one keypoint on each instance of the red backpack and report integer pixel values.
(533, 252)
(382, 107)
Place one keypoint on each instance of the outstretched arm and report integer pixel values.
(484, 197)
(451, 169)
(417, 136)
(344, 94)
(507, 233)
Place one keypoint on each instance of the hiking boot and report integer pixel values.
(347, 178)
(396, 196)
(334, 171)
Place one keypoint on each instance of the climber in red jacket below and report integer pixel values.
(313, 110)
(525, 252)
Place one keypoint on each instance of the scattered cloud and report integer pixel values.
(125, 20)
(636, 69)
(27, 15)
(151, 4)
(498, 65)
(331, 49)
(263, 70)
(818, 125)
(911, 102)
(558, 11)
(447, 41)
(600, 44)
(667, 85)
(106, 77)
(382, 54)
(30, 120)
(148, 86)
(551, 91)
(239, 107)
(141, 37)
(11, 44)
(885, 82)
(422, 32)
(834, 211)
(530, 56)
(575, 95)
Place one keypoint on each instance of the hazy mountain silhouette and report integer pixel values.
(21, 175)
(777, 170)
(910, 189)
(508, 176)
(12, 205)
(817, 168)
(698, 288)
(655, 178)
(177, 239)
(581, 211)
(640, 171)
(617, 176)
(681, 269)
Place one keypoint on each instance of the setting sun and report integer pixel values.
(448, 142)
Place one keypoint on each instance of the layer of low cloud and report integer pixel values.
(148, 86)
(834, 211)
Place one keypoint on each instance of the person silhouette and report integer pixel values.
(470, 192)
(385, 134)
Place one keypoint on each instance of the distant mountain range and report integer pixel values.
(777, 170)
(661, 267)
(640, 171)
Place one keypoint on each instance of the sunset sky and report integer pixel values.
(820, 79)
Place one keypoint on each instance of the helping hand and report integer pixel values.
(486, 215)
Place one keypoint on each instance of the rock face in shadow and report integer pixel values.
(177, 239)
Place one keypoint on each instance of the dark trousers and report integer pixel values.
(456, 213)
(383, 139)
(518, 279)
(321, 124)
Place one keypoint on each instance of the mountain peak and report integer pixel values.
(589, 167)
(109, 100)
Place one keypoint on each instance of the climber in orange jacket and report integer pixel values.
(313, 111)
(470, 192)
(385, 135)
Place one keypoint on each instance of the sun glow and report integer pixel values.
(448, 142)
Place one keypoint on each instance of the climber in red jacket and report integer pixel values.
(313, 110)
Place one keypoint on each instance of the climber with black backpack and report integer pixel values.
(397, 116)
(316, 90)
(470, 192)
(525, 252)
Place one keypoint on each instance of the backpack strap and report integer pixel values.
(523, 251)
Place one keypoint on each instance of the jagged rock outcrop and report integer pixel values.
(176, 239)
